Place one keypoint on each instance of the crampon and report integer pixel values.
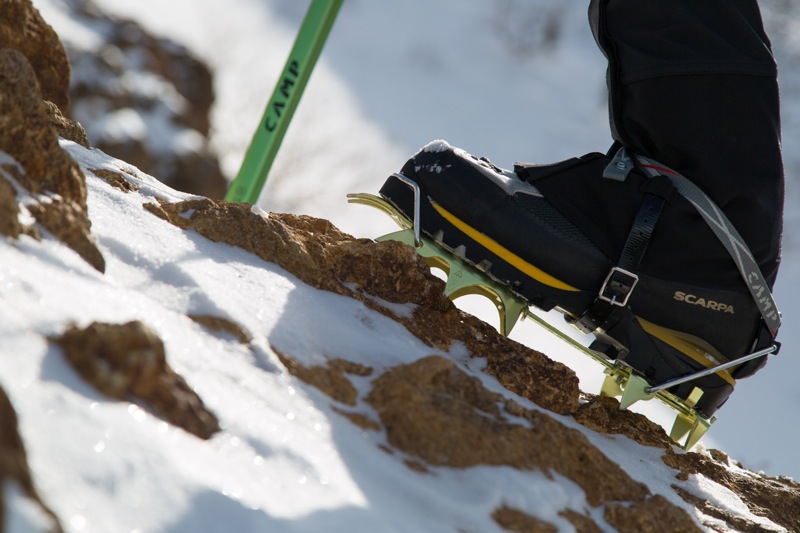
(656, 339)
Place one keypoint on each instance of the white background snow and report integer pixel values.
(393, 76)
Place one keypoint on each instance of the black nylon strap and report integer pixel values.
(644, 224)
(622, 279)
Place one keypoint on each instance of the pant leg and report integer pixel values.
(693, 84)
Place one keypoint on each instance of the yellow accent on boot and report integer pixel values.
(507, 255)
(693, 347)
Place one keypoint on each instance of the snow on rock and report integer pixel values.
(321, 256)
(50, 183)
(234, 370)
(142, 98)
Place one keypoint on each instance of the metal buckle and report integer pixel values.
(618, 286)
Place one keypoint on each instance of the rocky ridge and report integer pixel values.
(145, 100)
(433, 413)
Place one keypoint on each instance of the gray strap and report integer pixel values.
(728, 236)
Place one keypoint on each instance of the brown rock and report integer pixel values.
(71, 225)
(329, 380)
(777, 499)
(267, 237)
(115, 179)
(528, 373)
(22, 28)
(101, 86)
(653, 515)
(9, 210)
(223, 325)
(359, 419)
(517, 521)
(324, 257)
(416, 466)
(604, 416)
(127, 362)
(394, 272)
(332, 381)
(582, 523)
(27, 135)
(707, 508)
(66, 127)
(720, 457)
(351, 368)
(14, 463)
(435, 412)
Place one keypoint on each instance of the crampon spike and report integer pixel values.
(611, 387)
(690, 429)
(634, 391)
(463, 279)
(682, 426)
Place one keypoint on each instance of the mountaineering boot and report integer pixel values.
(667, 246)
(638, 266)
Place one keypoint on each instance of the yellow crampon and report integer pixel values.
(464, 278)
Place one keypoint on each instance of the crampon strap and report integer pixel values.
(722, 228)
(622, 278)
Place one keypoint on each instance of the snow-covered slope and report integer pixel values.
(288, 456)
(395, 75)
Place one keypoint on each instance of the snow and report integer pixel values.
(286, 460)
(726, 499)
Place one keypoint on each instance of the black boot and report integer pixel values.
(608, 238)
(681, 307)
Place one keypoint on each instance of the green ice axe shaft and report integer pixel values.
(280, 109)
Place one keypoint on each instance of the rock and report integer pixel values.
(224, 326)
(115, 179)
(28, 136)
(14, 464)
(145, 100)
(324, 257)
(437, 416)
(436, 413)
(653, 515)
(10, 225)
(718, 515)
(604, 416)
(71, 225)
(127, 362)
(22, 28)
(329, 379)
(518, 521)
(43, 168)
(777, 499)
(65, 127)
(582, 523)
